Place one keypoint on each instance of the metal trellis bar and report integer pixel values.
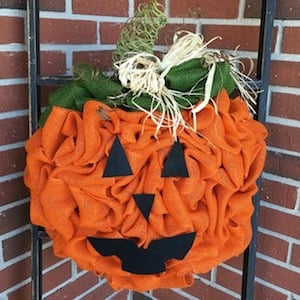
(263, 72)
(34, 112)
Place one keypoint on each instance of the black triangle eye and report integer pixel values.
(175, 165)
(117, 163)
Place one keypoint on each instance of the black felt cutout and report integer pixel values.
(145, 261)
(144, 202)
(117, 163)
(175, 165)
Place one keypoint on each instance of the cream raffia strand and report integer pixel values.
(244, 83)
(145, 73)
(186, 46)
(140, 74)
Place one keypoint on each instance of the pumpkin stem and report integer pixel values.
(140, 33)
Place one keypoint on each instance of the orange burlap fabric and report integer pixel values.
(71, 199)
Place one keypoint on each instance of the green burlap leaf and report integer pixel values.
(143, 100)
(222, 79)
(220, 74)
(66, 95)
(96, 83)
(88, 84)
(192, 75)
(228, 83)
(45, 114)
(185, 76)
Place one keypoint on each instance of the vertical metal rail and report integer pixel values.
(34, 112)
(263, 74)
(33, 62)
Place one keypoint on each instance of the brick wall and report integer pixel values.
(81, 30)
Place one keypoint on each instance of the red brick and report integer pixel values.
(285, 106)
(204, 9)
(12, 190)
(57, 276)
(45, 92)
(141, 296)
(13, 64)
(279, 222)
(295, 260)
(203, 291)
(13, 130)
(282, 277)
(12, 161)
(17, 4)
(57, 31)
(13, 97)
(285, 9)
(265, 293)
(53, 63)
(272, 246)
(288, 9)
(285, 73)
(206, 276)
(101, 292)
(11, 30)
(110, 32)
(244, 37)
(283, 165)
(14, 218)
(53, 5)
(167, 294)
(236, 261)
(103, 8)
(49, 258)
(165, 36)
(252, 9)
(120, 295)
(288, 40)
(279, 193)
(100, 59)
(23, 292)
(229, 279)
(15, 274)
(285, 137)
(75, 288)
(16, 245)
(232, 36)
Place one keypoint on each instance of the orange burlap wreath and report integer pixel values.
(72, 201)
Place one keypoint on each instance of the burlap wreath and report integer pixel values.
(72, 200)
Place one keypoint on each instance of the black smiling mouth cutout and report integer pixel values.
(145, 261)
(139, 260)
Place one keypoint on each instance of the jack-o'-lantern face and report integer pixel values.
(146, 212)
(140, 260)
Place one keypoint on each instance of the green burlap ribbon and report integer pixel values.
(89, 83)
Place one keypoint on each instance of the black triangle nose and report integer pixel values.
(144, 202)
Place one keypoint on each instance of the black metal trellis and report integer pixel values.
(36, 81)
